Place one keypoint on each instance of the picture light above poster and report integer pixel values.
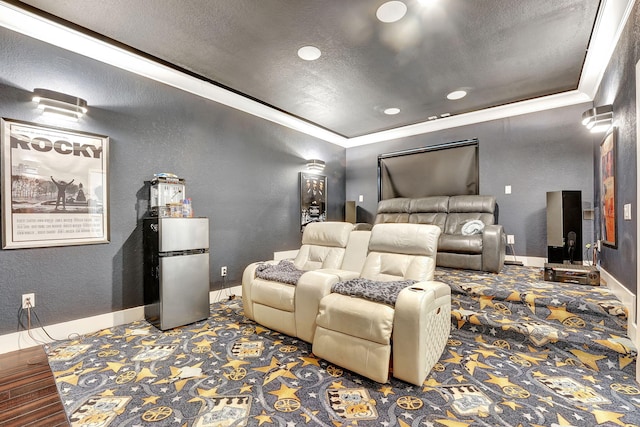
(315, 165)
(598, 119)
(60, 105)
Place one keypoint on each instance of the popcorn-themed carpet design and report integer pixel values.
(522, 352)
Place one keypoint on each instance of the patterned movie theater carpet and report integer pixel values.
(522, 352)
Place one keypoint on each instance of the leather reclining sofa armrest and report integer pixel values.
(247, 280)
(493, 248)
(421, 327)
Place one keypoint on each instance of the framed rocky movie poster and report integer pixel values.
(54, 186)
(313, 198)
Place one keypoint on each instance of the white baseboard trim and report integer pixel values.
(627, 298)
(66, 330)
(223, 294)
(528, 261)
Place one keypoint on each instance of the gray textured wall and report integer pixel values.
(241, 172)
(618, 87)
(534, 153)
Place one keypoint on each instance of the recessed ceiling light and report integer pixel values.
(392, 111)
(457, 94)
(391, 11)
(309, 53)
(432, 117)
(445, 115)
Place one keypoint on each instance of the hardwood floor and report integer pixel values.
(28, 393)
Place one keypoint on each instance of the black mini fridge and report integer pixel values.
(176, 271)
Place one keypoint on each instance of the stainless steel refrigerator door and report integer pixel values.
(180, 234)
(184, 289)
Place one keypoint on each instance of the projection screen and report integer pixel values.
(439, 170)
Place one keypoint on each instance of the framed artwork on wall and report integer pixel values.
(54, 186)
(608, 224)
(313, 198)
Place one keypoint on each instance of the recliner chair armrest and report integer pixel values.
(493, 248)
(421, 327)
(311, 288)
(247, 280)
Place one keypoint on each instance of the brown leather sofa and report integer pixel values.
(457, 217)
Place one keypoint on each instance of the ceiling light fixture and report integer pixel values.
(457, 94)
(391, 11)
(315, 164)
(309, 53)
(392, 111)
(59, 105)
(598, 119)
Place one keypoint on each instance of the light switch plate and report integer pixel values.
(507, 189)
(627, 212)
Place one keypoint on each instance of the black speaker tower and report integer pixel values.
(564, 227)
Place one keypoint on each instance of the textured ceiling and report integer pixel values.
(500, 51)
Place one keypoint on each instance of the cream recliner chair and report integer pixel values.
(360, 335)
(324, 246)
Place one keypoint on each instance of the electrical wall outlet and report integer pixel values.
(28, 301)
(223, 271)
(511, 239)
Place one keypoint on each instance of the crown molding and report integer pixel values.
(48, 31)
(610, 23)
(500, 112)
